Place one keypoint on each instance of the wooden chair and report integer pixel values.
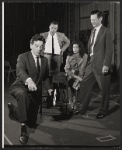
(58, 79)
(61, 78)
(8, 70)
(45, 98)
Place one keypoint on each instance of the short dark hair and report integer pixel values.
(98, 12)
(37, 37)
(54, 22)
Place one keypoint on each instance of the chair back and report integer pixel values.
(7, 65)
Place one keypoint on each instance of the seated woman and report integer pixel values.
(75, 68)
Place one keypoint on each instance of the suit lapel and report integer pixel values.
(89, 42)
(57, 36)
(42, 66)
(99, 34)
(46, 35)
(32, 62)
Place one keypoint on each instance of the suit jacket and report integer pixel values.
(26, 68)
(102, 50)
(62, 39)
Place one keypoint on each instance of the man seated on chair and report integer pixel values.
(56, 44)
(31, 69)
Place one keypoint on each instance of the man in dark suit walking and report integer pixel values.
(31, 70)
(98, 68)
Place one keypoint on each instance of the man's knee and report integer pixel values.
(17, 93)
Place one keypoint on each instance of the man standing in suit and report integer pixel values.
(98, 68)
(31, 70)
(56, 44)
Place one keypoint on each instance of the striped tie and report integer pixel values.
(92, 40)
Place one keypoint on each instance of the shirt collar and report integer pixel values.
(33, 54)
(53, 35)
(98, 28)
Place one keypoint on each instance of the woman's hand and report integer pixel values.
(50, 91)
(76, 84)
(77, 77)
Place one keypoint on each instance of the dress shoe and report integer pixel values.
(23, 137)
(100, 116)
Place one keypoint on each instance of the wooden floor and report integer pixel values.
(68, 131)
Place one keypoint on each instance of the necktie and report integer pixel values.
(52, 46)
(92, 40)
(38, 66)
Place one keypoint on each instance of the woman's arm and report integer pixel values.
(68, 68)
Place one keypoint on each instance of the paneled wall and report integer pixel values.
(85, 11)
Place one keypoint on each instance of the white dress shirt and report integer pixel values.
(95, 37)
(48, 45)
(35, 58)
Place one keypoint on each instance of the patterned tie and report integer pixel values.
(92, 40)
(52, 46)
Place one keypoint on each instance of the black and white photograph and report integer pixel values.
(60, 74)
